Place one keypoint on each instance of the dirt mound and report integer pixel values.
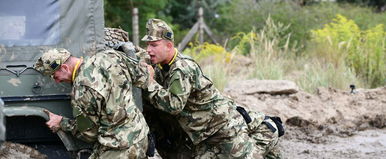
(19, 151)
(324, 121)
(362, 109)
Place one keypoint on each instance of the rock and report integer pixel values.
(273, 87)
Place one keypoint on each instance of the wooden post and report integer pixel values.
(135, 27)
(201, 25)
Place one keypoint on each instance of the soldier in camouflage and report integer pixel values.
(102, 100)
(162, 125)
(217, 126)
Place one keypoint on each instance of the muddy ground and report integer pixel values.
(10, 150)
(332, 123)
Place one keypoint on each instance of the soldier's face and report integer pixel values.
(63, 74)
(158, 51)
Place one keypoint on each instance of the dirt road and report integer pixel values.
(363, 144)
(329, 124)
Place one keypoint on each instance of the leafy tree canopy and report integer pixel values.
(182, 13)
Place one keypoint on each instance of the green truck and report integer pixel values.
(28, 27)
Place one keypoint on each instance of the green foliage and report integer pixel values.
(205, 51)
(185, 12)
(272, 60)
(218, 76)
(315, 73)
(277, 36)
(211, 57)
(244, 15)
(243, 42)
(270, 51)
(276, 61)
(375, 3)
(272, 34)
(118, 13)
(362, 51)
(180, 14)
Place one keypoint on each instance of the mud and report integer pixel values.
(329, 124)
(362, 144)
(18, 151)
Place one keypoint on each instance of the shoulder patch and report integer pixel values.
(176, 87)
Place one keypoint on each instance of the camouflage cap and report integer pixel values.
(157, 30)
(51, 60)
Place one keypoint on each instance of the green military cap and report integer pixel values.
(51, 60)
(157, 30)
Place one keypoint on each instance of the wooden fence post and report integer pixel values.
(135, 27)
(201, 25)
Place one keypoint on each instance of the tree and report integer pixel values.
(118, 13)
(184, 12)
(180, 14)
(380, 5)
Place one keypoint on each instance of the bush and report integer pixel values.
(315, 73)
(361, 50)
(244, 15)
(206, 51)
(211, 57)
(273, 58)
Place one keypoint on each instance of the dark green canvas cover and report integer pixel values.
(30, 27)
(27, 27)
(2, 125)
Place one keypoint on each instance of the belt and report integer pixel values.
(276, 120)
(244, 113)
(269, 125)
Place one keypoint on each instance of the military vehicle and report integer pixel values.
(27, 28)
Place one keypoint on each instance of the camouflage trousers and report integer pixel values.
(228, 143)
(135, 151)
(265, 140)
(171, 140)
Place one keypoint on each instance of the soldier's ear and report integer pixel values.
(169, 44)
(65, 67)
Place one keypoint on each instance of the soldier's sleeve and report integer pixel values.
(142, 55)
(86, 104)
(67, 124)
(173, 98)
(139, 75)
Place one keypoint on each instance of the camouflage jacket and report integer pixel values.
(182, 90)
(103, 104)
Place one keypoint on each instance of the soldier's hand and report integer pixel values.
(151, 71)
(54, 122)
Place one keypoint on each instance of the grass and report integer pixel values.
(243, 15)
(218, 76)
(274, 59)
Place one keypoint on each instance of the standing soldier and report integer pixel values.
(102, 100)
(217, 126)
